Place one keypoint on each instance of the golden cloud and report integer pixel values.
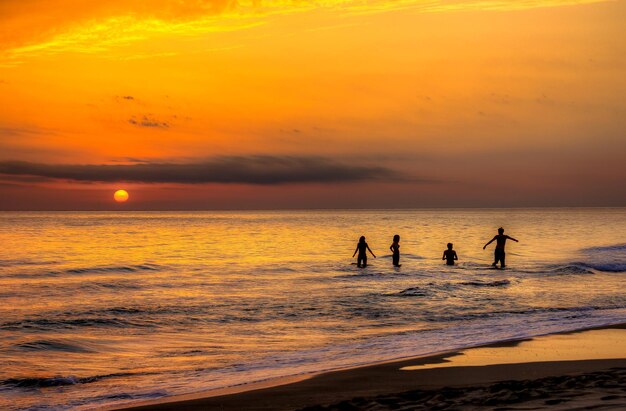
(32, 27)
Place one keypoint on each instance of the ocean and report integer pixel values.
(109, 308)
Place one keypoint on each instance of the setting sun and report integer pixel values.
(121, 196)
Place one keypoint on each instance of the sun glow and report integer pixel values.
(196, 96)
(121, 196)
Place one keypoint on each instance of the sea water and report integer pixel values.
(105, 309)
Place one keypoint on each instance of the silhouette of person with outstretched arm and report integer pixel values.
(362, 247)
(449, 255)
(500, 243)
(395, 249)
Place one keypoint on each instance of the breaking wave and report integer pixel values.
(57, 381)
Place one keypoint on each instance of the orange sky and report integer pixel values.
(280, 104)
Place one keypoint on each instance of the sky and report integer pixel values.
(221, 104)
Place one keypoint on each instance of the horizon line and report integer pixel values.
(309, 209)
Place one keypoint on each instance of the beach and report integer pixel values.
(559, 371)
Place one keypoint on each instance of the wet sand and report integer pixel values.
(578, 370)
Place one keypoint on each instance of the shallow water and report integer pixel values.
(110, 308)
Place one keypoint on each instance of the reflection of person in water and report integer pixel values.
(362, 247)
(395, 249)
(500, 243)
(449, 255)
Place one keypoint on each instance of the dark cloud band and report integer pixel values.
(266, 170)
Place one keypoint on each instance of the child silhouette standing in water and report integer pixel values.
(395, 249)
(362, 247)
(449, 255)
(500, 243)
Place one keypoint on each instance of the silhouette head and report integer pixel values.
(362, 239)
(500, 230)
(449, 246)
(396, 238)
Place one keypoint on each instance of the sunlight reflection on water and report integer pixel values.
(95, 305)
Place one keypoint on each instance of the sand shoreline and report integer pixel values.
(421, 379)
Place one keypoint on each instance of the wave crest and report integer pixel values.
(49, 345)
(614, 247)
(607, 267)
(414, 292)
(114, 269)
(58, 381)
(496, 283)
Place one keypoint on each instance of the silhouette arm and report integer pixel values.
(357, 249)
(444, 256)
(391, 247)
(455, 257)
(511, 238)
(368, 249)
(485, 246)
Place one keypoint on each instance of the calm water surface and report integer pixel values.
(99, 309)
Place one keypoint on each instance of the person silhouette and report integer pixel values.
(362, 247)
(395, 249)
(499, 253)
(449, 255)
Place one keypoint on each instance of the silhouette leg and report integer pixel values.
(499, 258)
